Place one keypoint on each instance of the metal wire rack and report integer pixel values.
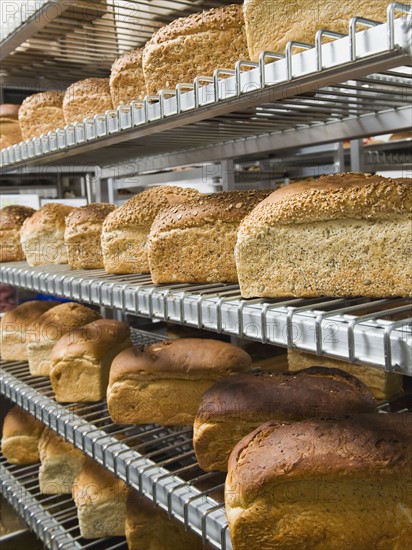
(52, 518)
(81, 38)
(159, 462)
(328, 92)
(359, 330)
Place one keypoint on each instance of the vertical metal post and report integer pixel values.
(339, 158)
(228, 175)
(356, 156)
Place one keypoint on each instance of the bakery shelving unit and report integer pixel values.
(297, 104)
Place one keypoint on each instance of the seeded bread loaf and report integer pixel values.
(383, 385)
(10, 132)
(235, 406)
(163, 384)
(271, 24)
(11, 221)
(15, 326)
(49, 328)
(100, 499)
(20, 439)
(125, 231)
(339, 235)
(329, 484)
(194, 242)
(41, 113)
(60, 464)
(80, 361)
(82, 235)
(42, 235)
(86, 98)
(194, 45)
(127, 81)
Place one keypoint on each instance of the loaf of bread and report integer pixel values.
(163, 384)
(400, 136)
(10, 132)
(86, 98)
(80, 361)
(49, 328)
(125, 231)
(83, 235)
(41, 113)
(194, 242)
(127, 79)
(194, 45)
(340, 235)
(15, 326)
(236, 406)
(382, 384)
(323, 483)
(149, 528)
(20, 439)
(60, 464)
(42, 235)
(271, 24)
(11, 220)
(100, 499)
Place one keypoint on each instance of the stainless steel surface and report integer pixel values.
(159, 462)
(341, 328)
(289, 98)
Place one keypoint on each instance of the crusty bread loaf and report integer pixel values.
(49, 328)
(42, 235)
(149, 528)
(60, 464)
(86, 98)
(15, 325)
(11, 220)
(20, 439)
(100, 499)
(382, 384)
(41, 113)
(163, 384)
(340, 235)
(400, 136)
(194, 242)
(127, 79)
(10, 132)
(83, 235)
(125, 231)
(323, 483)
(194, 45)
(80, 361)
(235, 406)
(271, 24)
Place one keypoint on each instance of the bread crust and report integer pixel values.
(127, 79)
(21, 433)
(86, 98)
(41, 113)
(9, 111)
(11, 220)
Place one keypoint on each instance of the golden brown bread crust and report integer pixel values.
(59, 320)
(185, 358)
(86, 98)
(229, 207)
(13, 216)
(51, 446)
(271, 25)
(41, 113)
(91, 340)
(217, 18)
(50, 217)
(84, 215)
(127, 79)
(19, 422)
(9, 111)
(306, 393)
(96, 481)
(337, 196)
(143, 208)
(346, 447)
(25, 314)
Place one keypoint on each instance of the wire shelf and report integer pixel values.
(359, 330)
(159, 462)
(329, 92)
